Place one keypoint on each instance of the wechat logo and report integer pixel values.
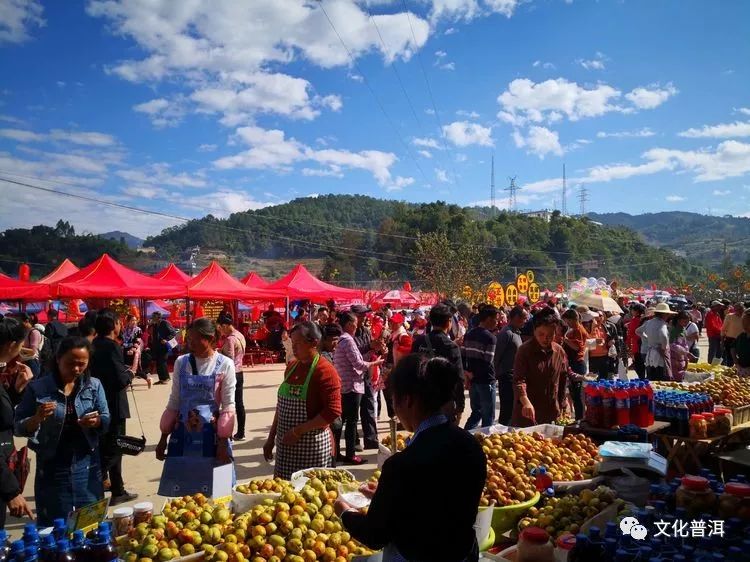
(632, 527)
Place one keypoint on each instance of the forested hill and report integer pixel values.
(700, 237)
(363, 238)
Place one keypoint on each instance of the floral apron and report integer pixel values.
(314, 448)
(191, 453)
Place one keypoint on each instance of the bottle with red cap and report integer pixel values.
(735, 501)
(695, 495)
(534, 545)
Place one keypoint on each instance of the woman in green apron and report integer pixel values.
(200, 415)
(309, 400)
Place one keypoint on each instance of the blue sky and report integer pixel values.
(195, 107)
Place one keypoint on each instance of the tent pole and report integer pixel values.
(187, 311)
(287, 314)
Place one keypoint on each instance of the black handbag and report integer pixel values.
(133, 446)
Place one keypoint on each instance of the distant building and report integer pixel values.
(544, 214)
(146, 250)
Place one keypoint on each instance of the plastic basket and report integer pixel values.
(505, 518)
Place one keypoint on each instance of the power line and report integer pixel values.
(372, 91)
(583, 196)
(512, 190)
(435, 111)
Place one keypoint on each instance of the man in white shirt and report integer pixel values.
(655, 334)
(732, 328)
(692, 334)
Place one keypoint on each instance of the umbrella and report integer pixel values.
(607, 304)
(397, 297)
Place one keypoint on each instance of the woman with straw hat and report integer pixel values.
(655, 335)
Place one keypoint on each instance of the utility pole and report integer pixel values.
(492, 188)
(567, 275)
(512, 190)
(564, 195)
(583, 196)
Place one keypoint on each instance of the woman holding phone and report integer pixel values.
(15, 377)
(63, 415)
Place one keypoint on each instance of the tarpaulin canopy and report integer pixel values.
(252, 279)
(65, 269)
(172, 274)
(397, 297)
(105, 278)
(215, 283)
(299, 283)
(15, 290)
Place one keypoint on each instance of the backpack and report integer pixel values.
(45, 353)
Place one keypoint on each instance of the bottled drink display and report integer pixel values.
(619, 404)
(678, 408)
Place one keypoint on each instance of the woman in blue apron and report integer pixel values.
(200, 414)
(309, 400)
(413, 481)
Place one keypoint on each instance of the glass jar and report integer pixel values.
(695, 495)
(724, 421)
(735, 501)
(534, 545)
(143, 512)
(698, 427)
(122, 520)
(710, 423)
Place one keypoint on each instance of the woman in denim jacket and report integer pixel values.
(63, 416)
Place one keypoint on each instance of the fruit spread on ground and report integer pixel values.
(567, 514)
(300, 527)
(512, 456)
(728, 389)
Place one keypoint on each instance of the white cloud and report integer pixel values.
(645, 98)
(468, 114)
(145, 192)
(540, 141)
(332, 172)
(270, 149)
(544, 65)
(447, 66)
(399, 183)
(467, 10)
(463, 133)
(425, 153)
(674, 198)
(526, 101)
(426, 143)
(207, 148)
(640, 133)
(12, 120)
(441, 175)
(441, 54)
(223, 203)
(721, 192)
(597, 63)
(163, 112)
(461, 157)
(83, 138)
(743, 110)
(160, 174)
(721, 131)
(16, 17)
(450, 31)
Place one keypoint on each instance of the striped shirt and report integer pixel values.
(350, 365)
(479, 352)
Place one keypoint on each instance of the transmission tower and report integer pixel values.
(492, 188)
(512, 190)
(564, 195)
(583, 196)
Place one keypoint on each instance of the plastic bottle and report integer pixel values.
(622, 405)
(683, 419)
(30, 553)
(16, 551)
(80, 548)
(4, 546)
(610, 547)
(48, 550)
(102, 549)
(593, 398)
(649, 410)
(30, 535)
(596, 542)
(609, 415)
(581, 551)
(64, 553)
(611, 530)
(60, 529)
(622, 556)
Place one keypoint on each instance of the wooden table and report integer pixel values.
(600, 435)
(686, 450)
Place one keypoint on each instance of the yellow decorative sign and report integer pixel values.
(713, 277)
(747, 285)
(495, 294)
(534, 293)
(522, 283)
(530, 276)
(467, 292)
(723, 285)
(499, 298)
(511, 294)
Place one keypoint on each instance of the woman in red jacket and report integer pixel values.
(714, 322)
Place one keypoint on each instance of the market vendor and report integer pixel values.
(426, 501)
(540, 374)
(309, 401)
(199, 418)
(741, 349)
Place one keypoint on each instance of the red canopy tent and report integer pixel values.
(254, 280)
(172, 274)
(65, 269)
(105, 278)
(299, 283)
(397, 297)
(215, 283)
(15, 290)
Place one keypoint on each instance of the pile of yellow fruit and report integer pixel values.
(563, 515)
(268, 486)
(512, 456)
(400, 441)
(300, 527)
(327, 479)
(728, 389)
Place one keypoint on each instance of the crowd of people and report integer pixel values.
(66, 388)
